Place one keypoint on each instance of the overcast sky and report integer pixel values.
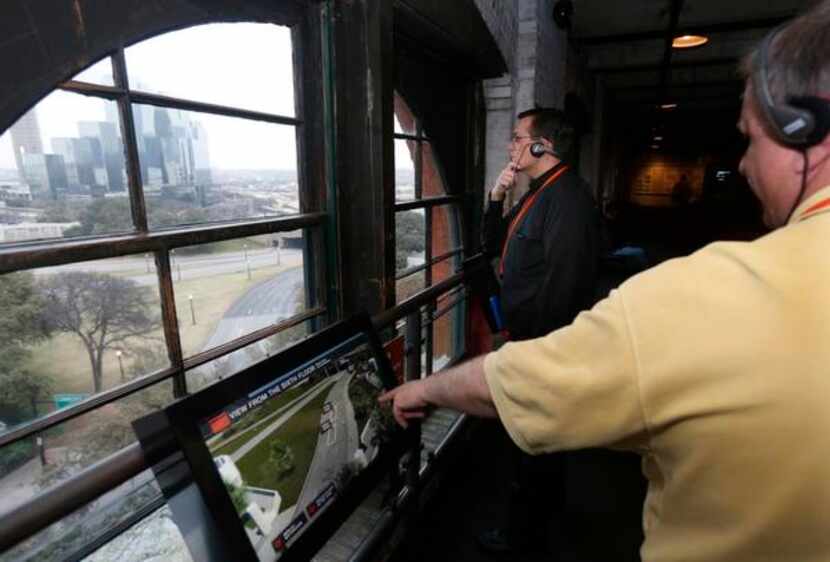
(245, 65)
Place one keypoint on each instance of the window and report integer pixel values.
(428, 246)
(195, 258)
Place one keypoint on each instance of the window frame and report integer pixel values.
(160, 242)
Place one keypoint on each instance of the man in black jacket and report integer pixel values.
(548, 248)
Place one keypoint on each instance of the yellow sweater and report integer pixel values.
(713, 367)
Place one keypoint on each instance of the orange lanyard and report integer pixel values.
(813, 209)
(517, 220)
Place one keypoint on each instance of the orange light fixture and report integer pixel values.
(689, 41)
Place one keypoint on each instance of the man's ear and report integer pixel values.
(819, 155)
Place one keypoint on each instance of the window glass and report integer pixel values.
(225, 366)
(157, 537)
(432, 183)
(447, 331)
(229, 289)
(404, 118)
(445, 239)
(200, 168)
(32, 465)
(62, 171)
(98, 73)
(69, 332)
(405, 170)
(410, 239)
(245, 65)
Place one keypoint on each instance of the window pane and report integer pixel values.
(69, 332)
(410, 239)
(404, 118)
(200, 168)
(29, 466)
(409, 285)
(155, 538)
(405, 170)
(445, 239)
(229, 289)
(227, 365)
(245, 65)
(447, 332)
(98, 73)
(62, 171)
(432, 183)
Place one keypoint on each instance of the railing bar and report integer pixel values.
(428, 202)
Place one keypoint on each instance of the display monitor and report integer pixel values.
(277, 446)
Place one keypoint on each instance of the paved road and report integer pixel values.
(263, 305)
(185, 267)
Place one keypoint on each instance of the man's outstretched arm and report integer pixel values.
(460, 388)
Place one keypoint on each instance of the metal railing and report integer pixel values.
(64, 498)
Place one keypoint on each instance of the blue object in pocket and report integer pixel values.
(495, 308)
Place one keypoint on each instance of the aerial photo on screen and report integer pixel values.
(287, 449)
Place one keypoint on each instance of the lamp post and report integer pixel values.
(192, 310)
(247, 263)
(120, 364)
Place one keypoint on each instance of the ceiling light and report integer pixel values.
(689, 41)
(658, 138)
(655, 146)
(668, 106)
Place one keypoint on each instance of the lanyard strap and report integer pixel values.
(822, 205)
(517, 220)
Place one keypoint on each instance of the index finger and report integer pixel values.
(388, 396)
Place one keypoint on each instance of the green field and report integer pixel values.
(237, 439)
(300, 434)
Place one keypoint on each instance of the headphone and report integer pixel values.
(801, 122)
(538, 149)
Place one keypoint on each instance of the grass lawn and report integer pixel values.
(238, 439)
(300, 434)
(65, 360)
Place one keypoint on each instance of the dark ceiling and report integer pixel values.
(625, 42)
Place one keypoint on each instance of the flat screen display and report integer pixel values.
(276, 446)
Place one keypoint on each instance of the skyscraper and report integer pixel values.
(26, 139)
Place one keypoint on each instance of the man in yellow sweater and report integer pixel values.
(714, 367)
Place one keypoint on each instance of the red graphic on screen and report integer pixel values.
(219, 423)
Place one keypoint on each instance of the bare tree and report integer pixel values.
(102, 310)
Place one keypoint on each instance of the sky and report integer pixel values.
(246, 65)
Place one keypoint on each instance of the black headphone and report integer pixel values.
(801, 122)
(538, 149)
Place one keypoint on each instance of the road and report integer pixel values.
(263, 305)
(184, 268)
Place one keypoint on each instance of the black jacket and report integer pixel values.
(550, 266)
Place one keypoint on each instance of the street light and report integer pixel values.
(247, 263)
(192, 311)
(120, 364)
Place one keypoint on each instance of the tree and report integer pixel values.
(20, 326)
(103, 216)
(102, 310)
(409, 237)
